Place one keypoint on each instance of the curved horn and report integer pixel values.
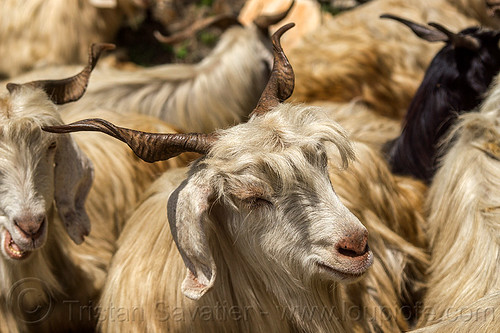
(265, 21)
(220, 21)
(421, 31)
(150, 147)
(281, 82)
(72, 88)
(458, 40)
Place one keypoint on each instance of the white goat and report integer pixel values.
(257, 223)
(40, 32)
(464, 216)
(358, 55)
(47, 281)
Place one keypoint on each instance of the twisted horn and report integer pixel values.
(72, 88)
(281, 82)
(420, 30)
(265, 21)
(150, 147)
(221, 21)
(458, 40)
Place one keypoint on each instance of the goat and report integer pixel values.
(456, 80)
(48, 283)
(57, 32)
(226, 84)
(266, 241)
(463, 215)
(358, 56)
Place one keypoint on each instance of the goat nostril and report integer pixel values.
(347, 252)
(353, 246)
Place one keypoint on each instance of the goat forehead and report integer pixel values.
(284, 128)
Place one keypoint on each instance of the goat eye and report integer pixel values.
(53, 145)
(255, 202)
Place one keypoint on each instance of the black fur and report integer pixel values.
(455, 82)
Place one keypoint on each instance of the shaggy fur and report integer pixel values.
(480, 316)
(40, 32)
(457, 79)
(53, 289)
(463, 206)
(262, 225)
(358, 55)
(219, 91)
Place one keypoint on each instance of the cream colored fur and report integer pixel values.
(358, 55)
(41, 32)
(60, 279)
(262, 283)
(463, 207)
(218, 92)
(480, 316)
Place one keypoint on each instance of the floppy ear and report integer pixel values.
(187, 210)
(73, 177)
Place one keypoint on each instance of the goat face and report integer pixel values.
(269, 196)
(35, 168)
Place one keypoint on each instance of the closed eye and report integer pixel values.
(257, 202)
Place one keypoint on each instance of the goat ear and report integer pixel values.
(73, 177)
(188, 218)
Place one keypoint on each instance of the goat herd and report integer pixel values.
(318, 214)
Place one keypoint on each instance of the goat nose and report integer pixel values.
(30, 226)
(354, 245)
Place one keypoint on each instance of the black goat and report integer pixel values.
(455, 82)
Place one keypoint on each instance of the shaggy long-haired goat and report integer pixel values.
(226, 85)
(357, 55)
(464, 215)
(47, 282)
(266, 242)
(41, 32)
(456, 80)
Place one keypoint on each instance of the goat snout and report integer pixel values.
(31, 226)
(354, 244)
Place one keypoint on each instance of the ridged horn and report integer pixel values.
(265, 21)
(458, 40)
(150, 147)
(220, 21)
(421, 31)
(70, 89)
(282, 80)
